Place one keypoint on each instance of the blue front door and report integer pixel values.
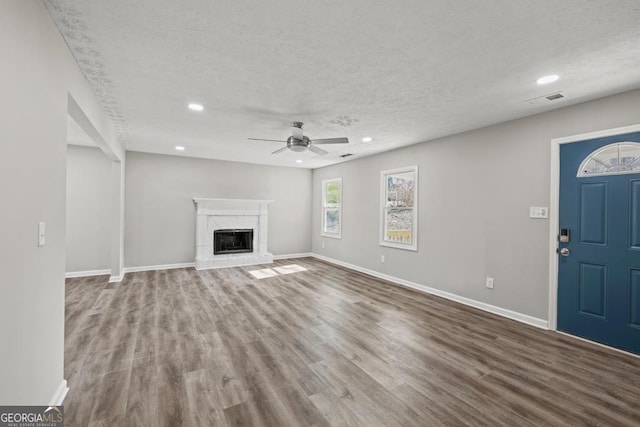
(599, 266)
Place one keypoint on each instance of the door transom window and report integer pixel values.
(612, 159)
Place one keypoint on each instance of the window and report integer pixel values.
(399, 208)
(332, 208)
(612, 159)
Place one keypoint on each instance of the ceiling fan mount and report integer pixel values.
(298, 142)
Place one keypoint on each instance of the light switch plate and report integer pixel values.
(538, 212)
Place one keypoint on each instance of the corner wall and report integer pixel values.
(475, 190)
(160, 216)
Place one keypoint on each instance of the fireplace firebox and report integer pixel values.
(232, 241)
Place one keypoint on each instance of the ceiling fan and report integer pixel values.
(298, 142)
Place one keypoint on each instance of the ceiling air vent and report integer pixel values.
(346, 155)
(546, 98)
(554, 96)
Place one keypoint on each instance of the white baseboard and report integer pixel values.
(159, 267)
(514, 315)
(116, 279)
(87, 273)
(60, 394)
(292, 256)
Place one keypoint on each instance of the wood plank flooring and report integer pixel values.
(323, 347)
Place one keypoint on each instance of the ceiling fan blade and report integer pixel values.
(280, 150)
(261, 139)
(296, 132)
(318, 150)
(330, 141)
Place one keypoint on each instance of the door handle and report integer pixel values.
(565, 252)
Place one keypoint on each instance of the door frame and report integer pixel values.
(554, 207)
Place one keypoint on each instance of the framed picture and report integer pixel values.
(399, 208)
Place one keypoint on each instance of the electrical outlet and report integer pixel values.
(490, 282)
(322, 245)
(381, 258)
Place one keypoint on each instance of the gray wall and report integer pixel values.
(88, 237)
(475, 190)
(37, 75)
(160, 214)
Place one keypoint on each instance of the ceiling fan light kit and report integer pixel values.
(297, 145)
(298, 142)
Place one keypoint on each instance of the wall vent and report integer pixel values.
(554, 96)
(546, 98)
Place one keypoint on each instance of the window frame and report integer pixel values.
(413, 246)
(325, 207)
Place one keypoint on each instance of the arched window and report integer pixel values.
(612, 159)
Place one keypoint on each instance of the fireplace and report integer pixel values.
(232, 241)
(231, 215)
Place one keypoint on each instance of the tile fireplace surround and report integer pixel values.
(218, 214)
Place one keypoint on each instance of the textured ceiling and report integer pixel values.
(402, 72)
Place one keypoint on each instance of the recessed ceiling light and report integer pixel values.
(298, 161)
(547, 79)
(179, 148)
(367, 139)
(196, 107)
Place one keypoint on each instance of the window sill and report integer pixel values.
(331, 236)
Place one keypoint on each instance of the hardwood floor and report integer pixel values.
(327, 346)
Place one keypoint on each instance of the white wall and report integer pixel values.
(37, 76)
(88, 237)
(160, 214)
(475, 190)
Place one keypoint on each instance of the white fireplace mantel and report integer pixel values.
(216, 214)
